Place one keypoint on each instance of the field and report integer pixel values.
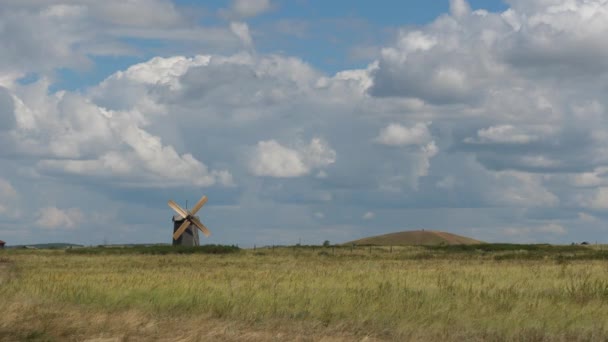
(451, 293)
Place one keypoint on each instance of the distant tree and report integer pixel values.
(326, 243)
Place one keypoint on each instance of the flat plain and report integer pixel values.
(452, 293)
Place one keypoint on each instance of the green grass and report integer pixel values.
(414, 293)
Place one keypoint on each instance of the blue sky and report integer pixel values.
(303, 120)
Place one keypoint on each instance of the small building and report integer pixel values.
(2, 243)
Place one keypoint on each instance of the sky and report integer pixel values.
(303, 120)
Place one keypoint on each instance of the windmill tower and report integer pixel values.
(185, 224)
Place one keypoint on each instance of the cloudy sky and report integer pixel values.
(303, 120)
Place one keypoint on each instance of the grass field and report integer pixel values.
(502, 292)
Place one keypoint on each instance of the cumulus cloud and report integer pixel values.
(40, 36)
(595, 178)
(522, 190)
(272, 159)
(52, 218)
(249, 8)
(502, 134)
(418, 137)
(552, 228)
(6, 189)
(598, 200)
(459, 8)
(398, 135)
(241, 30)
(7, 196)
(586, 217)
(446, 183)
(523, 109)
(466, 61)
(525, 232)
(7, 117)
(69, 134)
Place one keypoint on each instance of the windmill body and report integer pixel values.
(189, 237)
(185, 224)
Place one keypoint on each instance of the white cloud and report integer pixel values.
(598, 201)
(502, 134)
(446, 183)
(8, 200)
(459, 8)
(421, 148)
(6, 190)
(522, 190)
(368, 215)
(552, 228)
(250, 8)
(42, 36)
(241, 30)
(526, 232)
(466, 61)
(53, 218)
(398, 135)
(586, 217)
(69, 134)
(321, 174)
(597, 177)
(272, 159)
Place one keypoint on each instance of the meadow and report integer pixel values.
(479, 293)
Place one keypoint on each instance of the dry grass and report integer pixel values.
(299, 295)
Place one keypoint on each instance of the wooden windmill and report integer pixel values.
(185, 224)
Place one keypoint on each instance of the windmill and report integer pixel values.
(185, 224)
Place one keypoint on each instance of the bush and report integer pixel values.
(157, 250)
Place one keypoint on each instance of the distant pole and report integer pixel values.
(391, 249)
(254, 247)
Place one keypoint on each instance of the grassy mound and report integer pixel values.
(416, 238)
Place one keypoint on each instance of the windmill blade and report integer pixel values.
(178, 209)
(181, 229)
(198, 205)
(201, 226)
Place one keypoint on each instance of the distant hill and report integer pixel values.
(416, 238)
